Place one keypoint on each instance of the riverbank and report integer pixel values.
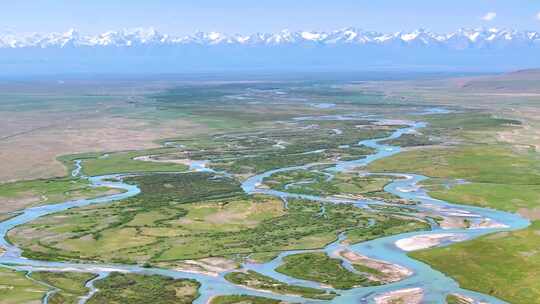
(316, 213)
(418, 242)
(409, 296)
(505, 264)
(495, 175)
(376, 270)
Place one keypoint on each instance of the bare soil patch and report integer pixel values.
(33, 155)
(409, 296)
(531, 214)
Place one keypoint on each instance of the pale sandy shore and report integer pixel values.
(387, 272)
(408, 295)
(453, 223)
(392, 122)
(488, 224)
(424, 241)
(208, 266)
(150, 158)
(243, 302)
(464, 299)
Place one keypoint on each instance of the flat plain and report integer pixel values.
(190, 147)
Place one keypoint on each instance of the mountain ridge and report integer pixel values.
(461, 39)
(144, 51)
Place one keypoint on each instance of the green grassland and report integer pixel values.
(320, 268)
(243, 299)
(317, 183)
(509, 197)
(272, 148)
(491, 168)
(198, 215)
(218, 106)
(17, 289)
(269, 147)
(505, 265)
(119, 288)
(412, 140)
(468, 121)
(195, 215)
(70, 285)
(391, 226)
(258, 281)
(498, 176)
(24, 194)
(183, 188)
(189, 216)
(233, 106)
(263, 257)
(122, 162)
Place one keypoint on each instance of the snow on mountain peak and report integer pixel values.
(463, 38)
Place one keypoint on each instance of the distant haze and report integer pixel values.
(148, 51)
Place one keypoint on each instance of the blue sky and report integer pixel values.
(244, 16)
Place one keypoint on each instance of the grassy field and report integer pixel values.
(17, 289)
(196, 215)
(390, 226)
(24, 194)
(258, 281)
(190, 216)
(124, 162)
(182, 188)
(412, 140)
(317, 183)
(284, 145)
(499, 177)
(319, 267)
(168, 223)
(119, 288)
(263, 257)
(246, 128)
(243, 299)
(70, 285)
(516, 198)
(505, 265)
(496, 164)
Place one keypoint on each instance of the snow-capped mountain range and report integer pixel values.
(146, 51)
(461, 39)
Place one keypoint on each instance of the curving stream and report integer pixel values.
(434, 284)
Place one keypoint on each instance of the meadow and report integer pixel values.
(498, 173)
(23, 194)
(505, 265)
(320, 268)
(484, 149)
(154, 229)
(321, 184)
(19, 287)
(258, 281)
(243, 299)
(120, 288)
(70, 285)
(192, 215)
(121, 162)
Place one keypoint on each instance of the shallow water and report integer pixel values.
(435, 284)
